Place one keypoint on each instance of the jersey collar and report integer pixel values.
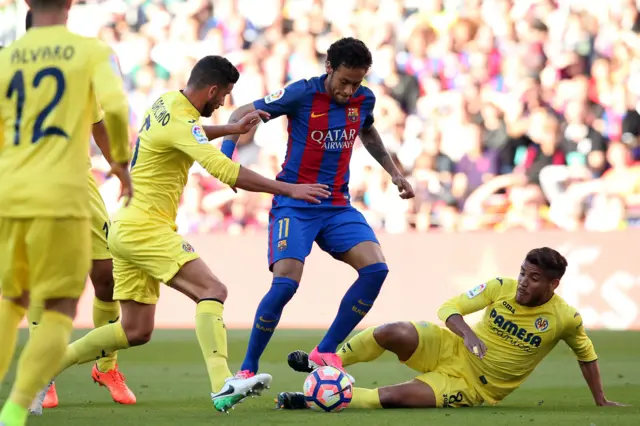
(188, 106)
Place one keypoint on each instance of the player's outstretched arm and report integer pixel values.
(285, 101)
(240, 127)
(120, 171)
(107, 84)
(591, 373)
(230, 141)
(373, 143)
(254, 182)
(234, 175)
(576, 337)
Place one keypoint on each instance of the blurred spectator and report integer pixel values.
(503, 113)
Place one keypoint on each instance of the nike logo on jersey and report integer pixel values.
(316, 115)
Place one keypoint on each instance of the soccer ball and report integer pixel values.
(328, 389)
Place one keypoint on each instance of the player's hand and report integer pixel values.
(607, 403)
(475, 345)
(121, 171)
(250, 121)
(311, 193)
(405, 188)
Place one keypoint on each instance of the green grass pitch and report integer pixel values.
(169, 379)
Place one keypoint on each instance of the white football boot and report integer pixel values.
(36, 406)
(236, 389)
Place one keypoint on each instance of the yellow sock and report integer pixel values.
(365, 398)
(360, 348)
(10, 317)
(212, 337)
(106, 313)
(96, 344)
(41, 357)
(34, 314)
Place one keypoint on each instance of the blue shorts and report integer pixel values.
(293, 230)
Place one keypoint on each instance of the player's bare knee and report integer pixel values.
(401, 338)
(196, 281)
(413, 394)
(23, 300)
(65, 306)
(138, 332)
(138, 321)
(102, 280)
(288, 268)
(214, 289)
(138, 335)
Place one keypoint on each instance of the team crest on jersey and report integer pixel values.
(352, 114)
(476, 290)
(274, 96)
(199, 134)
(187, 247)
(282, 245)
(541, 324)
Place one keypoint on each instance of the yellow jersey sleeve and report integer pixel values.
(107, 84)
(577, 339)
(96, 112)
(473, 300)
(197, 146)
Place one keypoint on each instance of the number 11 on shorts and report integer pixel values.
(283, 228)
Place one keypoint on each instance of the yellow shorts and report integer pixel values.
(49, 257)
(439, 357)
(99, 222)
(144, 255)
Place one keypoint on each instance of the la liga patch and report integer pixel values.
(199, 134)
(274, 96)
(476, 290)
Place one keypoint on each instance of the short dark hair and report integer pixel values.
(552, 263)
(48, 4)
(213, 71)
(28, 22)
(349, 52)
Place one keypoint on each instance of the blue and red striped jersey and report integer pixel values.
(322, 134)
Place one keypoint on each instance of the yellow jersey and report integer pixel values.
(48, 83)
(169, 141)
(517, 337)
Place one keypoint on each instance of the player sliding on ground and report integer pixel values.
(143, 241)
(523, 321)
(105, 310)
(50, 78)
(326, 115)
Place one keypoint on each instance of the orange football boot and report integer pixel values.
(114, 381)
(51, 398)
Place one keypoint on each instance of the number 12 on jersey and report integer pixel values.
(17, 86)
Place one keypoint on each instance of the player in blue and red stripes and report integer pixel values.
(326, 114)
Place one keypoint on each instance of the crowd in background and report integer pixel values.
(503, 113)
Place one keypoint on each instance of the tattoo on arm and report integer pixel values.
(373, 143)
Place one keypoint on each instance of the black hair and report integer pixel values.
(552, 263)
(213, 71)
(48, 4)
(350, 53)
(28, 22)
